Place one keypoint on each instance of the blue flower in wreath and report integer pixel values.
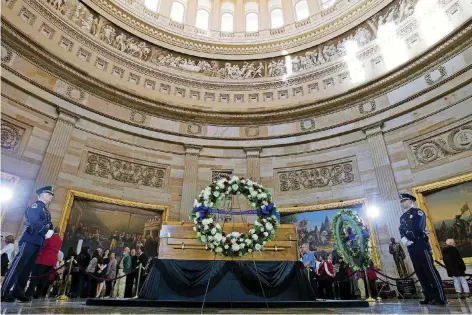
(270, 210)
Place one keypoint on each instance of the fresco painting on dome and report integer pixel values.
(314, 229)
(450, 212)
(102, 226)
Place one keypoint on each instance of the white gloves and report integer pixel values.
(406, 241)
(49, 234)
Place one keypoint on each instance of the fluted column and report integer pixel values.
(288, 11)
(239, 18)
(55, 152)
(253, 163)
(164, 8)
(314, 7)
(263, 15)
(387, 201)
(191, 12)
(189, 187)
(215, 15)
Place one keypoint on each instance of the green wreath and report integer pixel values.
(352, 238)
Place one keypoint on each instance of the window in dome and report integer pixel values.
(274, 4)
(325, 4)
(152, 5)
(177, 12)
(251, 7)
(227, 22)
(203, 18)
(276, 18)
(252, 22)
(301, 10)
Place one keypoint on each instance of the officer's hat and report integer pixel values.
(45, 189)
(407, 197)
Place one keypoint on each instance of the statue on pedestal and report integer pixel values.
(396, 250)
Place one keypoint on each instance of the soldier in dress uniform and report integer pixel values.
(38, 226)
(414, 236)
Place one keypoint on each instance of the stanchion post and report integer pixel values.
(369, 299)
(139, 279)
(64, 297)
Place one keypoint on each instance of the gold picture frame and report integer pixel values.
(73, 194)
(340, 205)
(420, 191)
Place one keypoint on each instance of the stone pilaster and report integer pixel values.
(165, 7)
(288, 11)
(189, 187)
(55, 152)
(191, 12)
(263, 15)
(239, 17)
(387, 200)
(215, 15)
(253, 163)
(314, 7)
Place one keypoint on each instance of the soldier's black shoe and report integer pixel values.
(8, 299)
(24, 298)
(425, 302)
(438, 302)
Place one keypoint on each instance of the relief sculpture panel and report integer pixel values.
(127, 171)
(314, 176)
(441, 144)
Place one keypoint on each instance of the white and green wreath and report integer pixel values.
(354, 247)
(234, 244)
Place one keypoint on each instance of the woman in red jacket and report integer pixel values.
(45, 263)
(326, 276)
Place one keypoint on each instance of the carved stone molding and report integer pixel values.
(137, 117)
(219, 174)
(436, 75)
(308, 124)
(441, 144)
(11, 136)
(317, 176)
(125, 170)
(253, 153)
(192, 150)
(67, 116)
(14, 136)
(367, 107)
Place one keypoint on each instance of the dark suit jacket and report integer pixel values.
(48, 254)
(143, 259)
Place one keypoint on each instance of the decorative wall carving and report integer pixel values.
(194, 129)
(137, 117)
(441, 144)
(125, 171)
(436, 75)
(307, 124)
(27, 16)
(252, 131)
(84, 54)
(134, 78)
(367, 107)
(7, 54)
(66, 43)
(11, 136)
(47, 30)
(217, 175)
(75, 94)
(101, 64)
(317, 176)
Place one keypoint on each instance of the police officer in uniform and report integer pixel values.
(414, 236)
(38, 227)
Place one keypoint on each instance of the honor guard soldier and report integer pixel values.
(414, 236)
(38, 226)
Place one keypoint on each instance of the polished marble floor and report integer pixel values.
(385, 307)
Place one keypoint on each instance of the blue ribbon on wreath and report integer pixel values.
(267, 210)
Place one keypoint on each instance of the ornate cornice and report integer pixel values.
(274, 45)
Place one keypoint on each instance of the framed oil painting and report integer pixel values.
(314, 226)
(448, 205)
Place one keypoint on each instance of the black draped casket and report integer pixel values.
(223, 281)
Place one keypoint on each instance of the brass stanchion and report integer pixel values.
(369, 299)
(64, 297)
(139, 279)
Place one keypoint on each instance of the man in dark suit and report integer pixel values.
(44, 264)
(142, 259)
(38, 227)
